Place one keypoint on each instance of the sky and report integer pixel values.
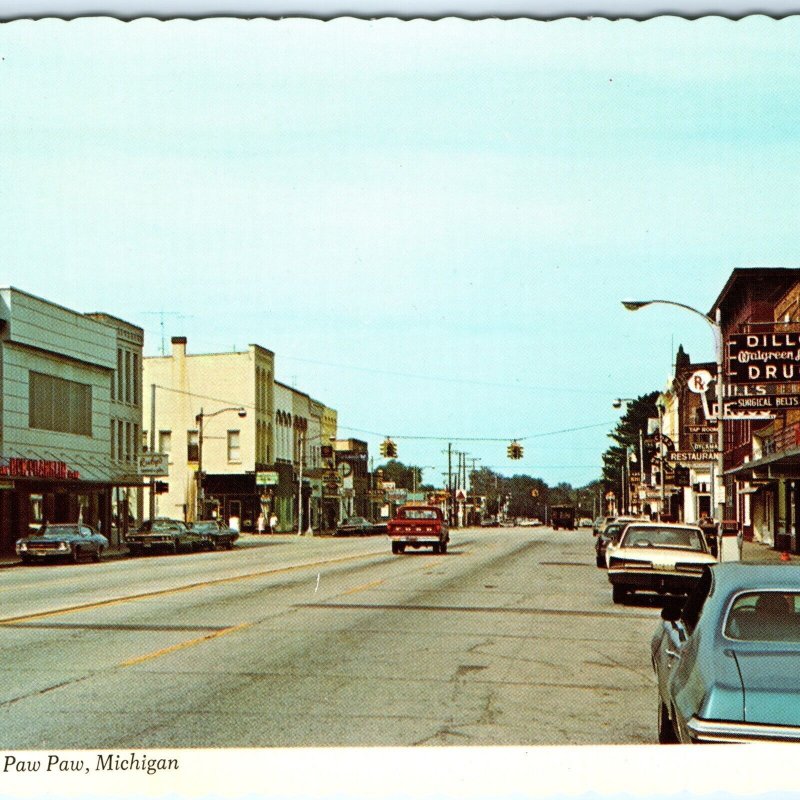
(431, 224)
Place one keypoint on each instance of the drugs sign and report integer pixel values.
(764, 358)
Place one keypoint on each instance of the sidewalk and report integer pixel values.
(757, 553)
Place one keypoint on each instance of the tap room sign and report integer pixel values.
(764, 358)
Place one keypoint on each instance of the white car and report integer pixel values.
(657, 557)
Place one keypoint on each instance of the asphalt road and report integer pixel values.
(510, 638)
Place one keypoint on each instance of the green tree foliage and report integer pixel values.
(405, 477)
(626, 434)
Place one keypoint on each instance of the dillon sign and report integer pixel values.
(764, 358)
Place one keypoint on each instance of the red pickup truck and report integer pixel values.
(418, 526)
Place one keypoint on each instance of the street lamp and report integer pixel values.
(199, 418)
(302, 441)
(716, 327)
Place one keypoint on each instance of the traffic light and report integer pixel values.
(391, 449)
(384, 448)
(514, 451)
(161, 487)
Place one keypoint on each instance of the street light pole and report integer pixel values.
(716, 327)
(199, 419)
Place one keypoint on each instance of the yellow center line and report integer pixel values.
(364, 587)
(183, 645)
(179, 589)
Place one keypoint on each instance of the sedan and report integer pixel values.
(62, 540)
(727, 660)
(355, 525)
(608, 536)
(657, 557)
(214, 534)
(169, 535)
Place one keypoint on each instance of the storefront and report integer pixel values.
(34, 491)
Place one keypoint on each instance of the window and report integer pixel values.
(55, 404)
(113, 440)
(120, 440)
(117, 380)
(192, 446)
(128, 376)
(136, 372)
(145, 443)
(165, 441)
(234, 450)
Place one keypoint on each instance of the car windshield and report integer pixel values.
(55, 531)
(205, 525)
(419, 513)
(613, 531)
(163, 525)
(764, 616)
(355, 521)
(678, 538)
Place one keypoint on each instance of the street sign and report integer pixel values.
(770, 402)
(701, 428)
(266, 478)
(154, 465)
(461, 494)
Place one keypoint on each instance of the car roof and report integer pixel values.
(737, 576)
(640, 523)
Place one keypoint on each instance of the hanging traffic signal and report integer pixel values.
(384, 448)
(515, 451)
(391, 449)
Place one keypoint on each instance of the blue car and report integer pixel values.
(727, 661)
(65, 541)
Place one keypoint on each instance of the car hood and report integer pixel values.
(663, 556)
(771, 681)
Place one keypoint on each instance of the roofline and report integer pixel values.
(739, 272)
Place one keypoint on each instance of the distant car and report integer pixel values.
(215, 534)
(584, 522)
(168, 535)
(489, 522)
(358, 526)
(61, 540)
(608, 536)
(727, 660)
(529, 523)
(657, 557)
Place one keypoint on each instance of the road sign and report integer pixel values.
(266, 478)
(154, 465)
(461, 494)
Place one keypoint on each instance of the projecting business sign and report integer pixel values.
(154, 465)
(764, 358)
(691, 456)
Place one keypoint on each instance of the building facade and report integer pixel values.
(240, 443)
(60, 374)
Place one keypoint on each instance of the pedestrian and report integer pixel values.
(261, 523)
(273, 523)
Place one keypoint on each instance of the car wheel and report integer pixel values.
(619, 593)
(396, 548)
(666, 730)
(26, 559)
(175, 547)
(229, 544)
(134, 550)
(601, 561)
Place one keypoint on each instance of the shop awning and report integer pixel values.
(783, 464)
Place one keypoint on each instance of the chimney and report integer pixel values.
(179, 346)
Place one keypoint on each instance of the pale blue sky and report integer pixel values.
(381, 202)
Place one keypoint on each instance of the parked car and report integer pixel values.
(61, 540)
(527, 522)
(168, 535)
(489, 522)
(215, 534)
(609, 536)
(727, 659)
(657, 557)
(358, 526)
(584, 522)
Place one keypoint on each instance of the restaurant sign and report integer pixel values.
(692, 456)
(38, 468)
(764, 358)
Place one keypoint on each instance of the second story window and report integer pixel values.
(192, 448)
(165, 441)
(234, 449)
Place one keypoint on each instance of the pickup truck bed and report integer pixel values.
(418, 526)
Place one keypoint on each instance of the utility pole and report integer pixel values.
(152, 450)
(450, 491)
